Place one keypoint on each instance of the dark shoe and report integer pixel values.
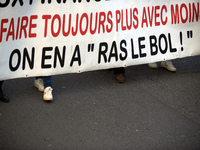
(4, 98)
(120, 78)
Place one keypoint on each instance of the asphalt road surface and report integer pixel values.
(153, 110)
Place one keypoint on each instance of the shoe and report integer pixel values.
(120, 78)
(48, 94)
(153, 65)
(168, 65)
(4, 98)
(39, 84)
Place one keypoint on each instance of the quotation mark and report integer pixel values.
(90, 47)
(189, 34)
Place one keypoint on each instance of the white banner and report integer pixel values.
(48, 37)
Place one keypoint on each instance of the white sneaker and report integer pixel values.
(168, 65)
(39, 84)
(153, 65)
(48, 94)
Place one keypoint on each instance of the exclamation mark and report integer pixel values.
(181, 40)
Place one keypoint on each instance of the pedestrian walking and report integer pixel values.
(165, 64)
(44, 84)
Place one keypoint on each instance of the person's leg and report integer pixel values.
(1, 83)
(3, 97)
(47, 80)
(153, 65)
(38, 83)
(119, 74)
(168, 65)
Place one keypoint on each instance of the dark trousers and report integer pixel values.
(1, 83)
(47, 80)
(120, 70)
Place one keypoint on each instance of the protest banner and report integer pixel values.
(49, 37)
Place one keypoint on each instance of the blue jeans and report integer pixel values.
(47, 80)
